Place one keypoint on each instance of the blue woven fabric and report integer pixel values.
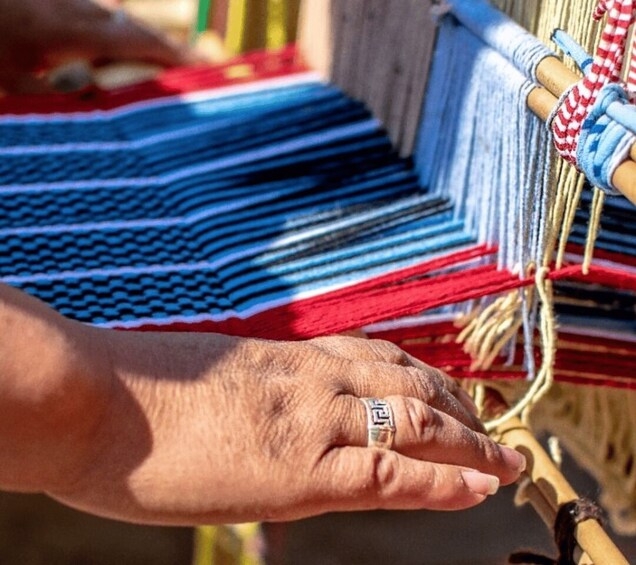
(174, 211)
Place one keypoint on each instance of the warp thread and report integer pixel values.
(510, 205)
(545, 375)
(457, 146)
(595, 224)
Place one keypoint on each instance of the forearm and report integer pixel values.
(52, 372)
(105, 419)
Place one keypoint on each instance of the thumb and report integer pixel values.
(124, 38)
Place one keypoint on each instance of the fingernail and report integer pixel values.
(480, 483)
(513, 459)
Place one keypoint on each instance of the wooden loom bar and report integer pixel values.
(556, 78)
(548, 490)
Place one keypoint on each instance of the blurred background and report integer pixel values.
(218, 29)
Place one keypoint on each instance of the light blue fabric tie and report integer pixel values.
(606, 137)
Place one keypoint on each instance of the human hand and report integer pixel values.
(210, 428)
(36, 35)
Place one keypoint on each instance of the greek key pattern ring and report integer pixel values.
(380, 423)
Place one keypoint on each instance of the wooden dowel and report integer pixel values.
(555, 491)
(556, 78)
(548, 514)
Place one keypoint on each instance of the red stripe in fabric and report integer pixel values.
(585, 364)
(620, 258)
(607, 276)
(263, 65)
(374, 300)
(402, 293)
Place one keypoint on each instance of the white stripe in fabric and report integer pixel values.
(602, 332)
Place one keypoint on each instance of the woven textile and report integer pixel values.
(256, 207)
(223, 202)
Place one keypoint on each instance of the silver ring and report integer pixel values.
(380, 423)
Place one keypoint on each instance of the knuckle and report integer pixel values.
(412, 382)
(338, 345)
(481, 448)
(442, 482)
(431, 390)
(327, 343)
(448, 382)
(423, 420)
(381, 473)
(437, 376)
(389, 352)
(363, 373)
(272, 360)
(489, 449)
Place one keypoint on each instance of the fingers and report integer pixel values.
(424, 433)
(118, 36)
(357, 478)
(37, 36)
(386, 352)
(372, 379)
(126, 38)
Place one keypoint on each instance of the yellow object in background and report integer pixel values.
(256, 24)
(235, 26)
(276, 35)
(228, 545)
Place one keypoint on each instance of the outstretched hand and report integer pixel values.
(37, 35)
(173, 428)
(209, 428)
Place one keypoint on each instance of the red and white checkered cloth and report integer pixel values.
(606, 69)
